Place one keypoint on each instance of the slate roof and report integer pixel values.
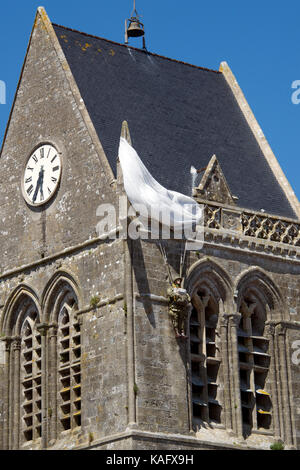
(179, 115)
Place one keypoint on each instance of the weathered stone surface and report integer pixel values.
(135, 375)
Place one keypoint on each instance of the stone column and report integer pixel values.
(227, 385)
(52, 383)
(274, 379)
(16, 346)
(128, 286)
(234, 321)
(200, 304)
(280, 333)
(42, 329)
(7, 387)
(189, 377)
(11, 396)
(130, 332)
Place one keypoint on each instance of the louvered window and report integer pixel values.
(254, 362)
(69, 370)
(205, 360)
(31, 366)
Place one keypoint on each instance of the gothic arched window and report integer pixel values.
(69, 366)
(60, 305)
(23, 408)
(205, 358)
(64, 344)
(254, 363)
(31, 376)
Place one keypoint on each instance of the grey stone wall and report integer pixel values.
(98, 271)
(46, 110)
(161, 375)
(161, 360)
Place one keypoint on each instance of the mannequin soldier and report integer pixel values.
(179, 302)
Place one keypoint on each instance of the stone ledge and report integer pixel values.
(178, 439)
(219, 238)
(61, 254)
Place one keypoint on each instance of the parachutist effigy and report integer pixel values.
(179, 304)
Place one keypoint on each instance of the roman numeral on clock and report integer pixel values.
(53, 158)
(29, 190)
(55, 168)
(53, 179)
(34, 158)
(42, 152)
(28, 179)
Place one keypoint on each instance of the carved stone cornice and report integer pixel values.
(16, 343)
(281, 326)
(230, 319)
(254, 231)
(281, 329)
(270, 328)
(234, 319)
(43, 328)
(224, 320)
(8, 341)
(53, 328)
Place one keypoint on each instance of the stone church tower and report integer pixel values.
(88, 354)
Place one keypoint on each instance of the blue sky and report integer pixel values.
(260, 40)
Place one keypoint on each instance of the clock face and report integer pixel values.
(42, 175)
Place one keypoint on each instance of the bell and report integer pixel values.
(135, 29)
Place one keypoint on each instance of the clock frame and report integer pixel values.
(41, 175)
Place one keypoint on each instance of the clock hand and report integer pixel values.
(40, 178)
(42, 182)
(36, 191)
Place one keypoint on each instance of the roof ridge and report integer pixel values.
(137, 49)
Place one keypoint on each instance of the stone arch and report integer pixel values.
(22, 314)
(60, 288)
(209, 273)
(210, 289)
(61, 300)
(20, 300)
(258, 300)
(256, 280)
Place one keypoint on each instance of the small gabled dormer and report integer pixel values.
(213, 185)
